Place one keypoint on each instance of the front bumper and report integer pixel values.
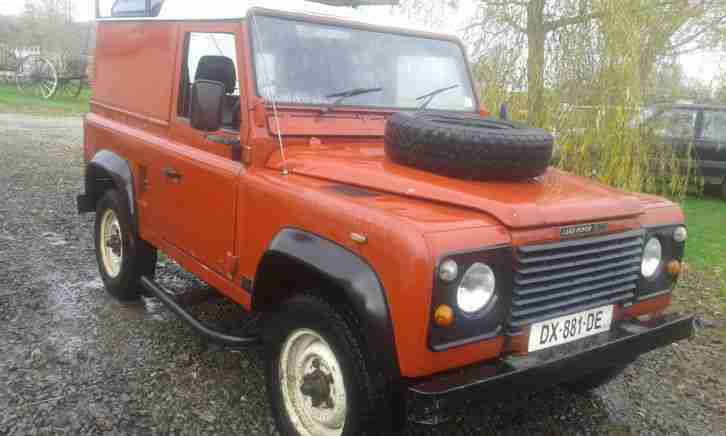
(434, 399)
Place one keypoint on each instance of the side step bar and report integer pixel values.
(213, 335)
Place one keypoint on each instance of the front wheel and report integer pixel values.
(318, 379)
(122, 257)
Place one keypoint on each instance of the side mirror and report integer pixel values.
(207, 102)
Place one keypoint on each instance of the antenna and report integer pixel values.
(258, 36)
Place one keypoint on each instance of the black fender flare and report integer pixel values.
(107, 164)
(355, 277)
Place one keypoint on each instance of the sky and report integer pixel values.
(701, 66)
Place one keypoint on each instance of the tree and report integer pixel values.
(720, 88)
(669, 27)
(49, 25)
(586, 67)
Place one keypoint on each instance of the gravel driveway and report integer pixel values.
(75, 362)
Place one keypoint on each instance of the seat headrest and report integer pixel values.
(218, 69)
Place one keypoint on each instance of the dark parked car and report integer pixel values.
(704, 126)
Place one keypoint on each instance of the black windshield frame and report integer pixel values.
(342, 23)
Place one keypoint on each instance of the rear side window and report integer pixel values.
(210, 56)
(129, 8)
(714, 126)
(676, 123)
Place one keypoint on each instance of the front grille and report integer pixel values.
(557, 279)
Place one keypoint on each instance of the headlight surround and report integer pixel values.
(476, 289)
(448, 270)
(680, 234)
(652, 258)
(490, 320)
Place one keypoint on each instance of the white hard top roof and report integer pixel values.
(238, 9)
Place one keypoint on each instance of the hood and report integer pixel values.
(557, 198)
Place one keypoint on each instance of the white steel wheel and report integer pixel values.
(313, 389)
(111, 244)
(37, 76)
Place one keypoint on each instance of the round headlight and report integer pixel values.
(680, 234)
(652, 256)
(448, 270)
(476, 289)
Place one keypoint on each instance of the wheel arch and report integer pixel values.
(108, 170)
(312, 262)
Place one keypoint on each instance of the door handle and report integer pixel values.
(171, 174)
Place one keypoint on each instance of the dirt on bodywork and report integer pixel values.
(75, 362)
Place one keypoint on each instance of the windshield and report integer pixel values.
(299, 62)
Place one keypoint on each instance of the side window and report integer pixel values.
(211, 56)
(129, 8)
(676, 123)
(714, 126)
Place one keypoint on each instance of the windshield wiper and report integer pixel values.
(430, 96)
(342, 96)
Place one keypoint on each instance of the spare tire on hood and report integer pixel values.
(467, 145)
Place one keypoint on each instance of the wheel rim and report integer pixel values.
(36, 75)
(312, 385)
(71, 87)
(112, 247)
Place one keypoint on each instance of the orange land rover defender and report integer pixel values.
(405, 253)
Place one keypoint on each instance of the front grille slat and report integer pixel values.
(575, 291)
(629, 244)
(578, 281)
(518, 280)
(574, 244)
(587, 261)
(573, 301)
(558, 279)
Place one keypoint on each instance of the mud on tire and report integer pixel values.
(467, 146)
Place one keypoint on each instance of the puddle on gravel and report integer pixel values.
(64, 296)
(54, 239)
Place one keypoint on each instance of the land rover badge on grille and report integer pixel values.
(582, 230)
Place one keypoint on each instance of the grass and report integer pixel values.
(703, 289)
(706, 247)
(12, 101)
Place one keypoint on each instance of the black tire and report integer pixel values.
(467, 146)
(138, 259)
(367, 412)
(594, 380)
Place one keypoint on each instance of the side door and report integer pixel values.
(711, 145)
(201, 172)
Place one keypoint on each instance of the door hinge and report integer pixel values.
(231, 264)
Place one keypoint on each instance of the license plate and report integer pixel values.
(569, 328)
